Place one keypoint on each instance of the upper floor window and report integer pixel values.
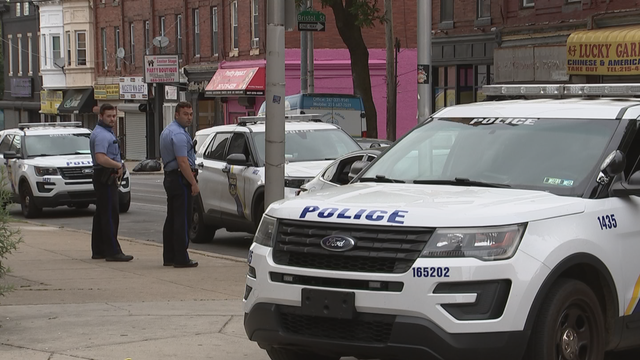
(179, 35)
(10, 43)
(147, 38)
(196, 32)
(117, 47)
(484, 9)
(18, 9)
(255, 23)
(56, 48)
(43, 50)
(162, 26)
(446, 10)
(234, 25)
(528, 3)
(132, 44)
(105, 64)
(25, 6)
(68, 48)
(214, 30)
(81, 48)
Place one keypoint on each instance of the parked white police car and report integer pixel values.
(48, 165)
(231, 169)
(494, 230)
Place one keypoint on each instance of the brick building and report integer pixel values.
(548, 41)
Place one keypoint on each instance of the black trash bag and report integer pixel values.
(148, 165)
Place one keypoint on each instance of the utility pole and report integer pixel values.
(311, 80)
(391, 76)
(274, 147)
(424, 60)
(304, 52)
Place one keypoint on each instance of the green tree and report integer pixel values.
(9, 236)
(351, 17)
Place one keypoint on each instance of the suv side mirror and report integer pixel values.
(614, 164)
(629, 187)
(8, 155)
(356, 168)
(237, 159)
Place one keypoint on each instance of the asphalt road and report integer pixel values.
(144, 220)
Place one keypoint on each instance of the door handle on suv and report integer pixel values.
(200, 165)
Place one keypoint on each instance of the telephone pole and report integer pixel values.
(275, 91)
(424, 60)
(391, 76)
(304, 52)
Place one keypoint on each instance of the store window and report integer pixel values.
(461, 84)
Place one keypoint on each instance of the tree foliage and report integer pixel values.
(9, 236)
(351, 17)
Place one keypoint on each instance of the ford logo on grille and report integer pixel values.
(337, 243)
(87, 171)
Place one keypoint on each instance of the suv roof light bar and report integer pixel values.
(243, 120)
(23, 126)
(563, 90)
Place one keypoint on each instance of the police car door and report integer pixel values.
(13, 165)
(234, 200)
(211, 179)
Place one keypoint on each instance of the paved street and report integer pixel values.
(144, 220)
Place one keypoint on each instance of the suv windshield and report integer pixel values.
(57, 144)
(555, 155)
(311, 145)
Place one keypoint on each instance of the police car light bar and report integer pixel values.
(295, 117)
(50, 124)
(563, 90)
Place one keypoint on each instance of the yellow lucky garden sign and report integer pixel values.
(604, 52)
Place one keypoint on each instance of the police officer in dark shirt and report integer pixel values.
(107, 171)
(180, 184)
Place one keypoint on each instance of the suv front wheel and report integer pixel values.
(29, 207)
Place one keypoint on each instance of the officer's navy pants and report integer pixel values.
(175, 234)
(104, 233)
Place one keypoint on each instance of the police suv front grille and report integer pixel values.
(378, 249)
(365, 328)
(76, 173)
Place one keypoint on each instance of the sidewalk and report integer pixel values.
(66, 306)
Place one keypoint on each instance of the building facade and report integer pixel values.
(53, 58)
(22, 82)
(557, 41)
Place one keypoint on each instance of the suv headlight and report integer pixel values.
(266, 231)
(44, 171)
(486, 243)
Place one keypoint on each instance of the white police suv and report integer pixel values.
(231, 169)
(47, 165)
(496, 230)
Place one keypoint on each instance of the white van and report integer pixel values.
(344, 110)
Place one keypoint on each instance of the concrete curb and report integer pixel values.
(141, 242)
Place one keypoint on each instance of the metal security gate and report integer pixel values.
(135, 124)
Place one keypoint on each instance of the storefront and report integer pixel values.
(133, 131)
(461, 66)
(207, 111)
(49, 103)
(609, 55)
(79, 105)
(20, 105)
(241, 90)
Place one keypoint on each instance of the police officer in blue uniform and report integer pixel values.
(107, 170)
(180, 184)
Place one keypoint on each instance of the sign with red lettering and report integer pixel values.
(603, 52)
(161, 69)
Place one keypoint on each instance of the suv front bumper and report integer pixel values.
(381, 336)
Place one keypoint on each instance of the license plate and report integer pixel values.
(330, 304)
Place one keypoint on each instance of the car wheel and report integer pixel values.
(291, 354)
(199, 232)
(125, 203)
(28, 205)
(570, 324)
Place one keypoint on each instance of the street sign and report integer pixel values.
(311, 21)
(161, 69)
